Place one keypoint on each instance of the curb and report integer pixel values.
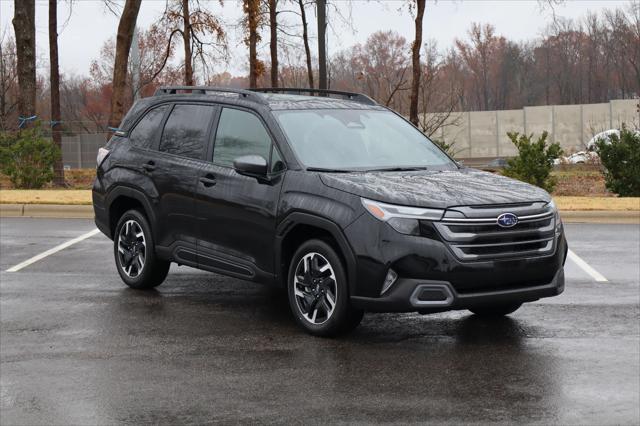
(47, 210)
(601, 216)
(86, 212)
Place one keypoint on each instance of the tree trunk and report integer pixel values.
(273, 43)
(54, 82)
(415, 63)
(186, 36)
(305, 38)
(322, 49)
(25, 29)
(126, 27)
(3, 91)
(252, 15)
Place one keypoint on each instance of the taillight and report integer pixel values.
(103, 153)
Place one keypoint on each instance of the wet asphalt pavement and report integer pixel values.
(77, 347)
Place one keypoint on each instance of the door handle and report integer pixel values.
(149, 166)
(208, 180)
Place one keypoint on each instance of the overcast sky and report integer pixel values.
(91, 24)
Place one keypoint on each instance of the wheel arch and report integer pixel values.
(122, 199)
(299, 227)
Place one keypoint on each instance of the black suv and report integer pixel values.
(338, 199)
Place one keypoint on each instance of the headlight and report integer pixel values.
(557, 218)
(401, 218)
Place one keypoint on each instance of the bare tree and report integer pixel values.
(256, 68)
(415, 62)
(186, 36)
(25, 30)
(8, 83)
(195, 24)
(273, 42)
(322, 39)
(305, 39)
(54, 83)
(126, 27)
(436, 97)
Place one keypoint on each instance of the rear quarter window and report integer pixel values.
(143, 135)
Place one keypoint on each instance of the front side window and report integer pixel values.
(239, 133)
(347, 139)
(185, 132)
(142, 135)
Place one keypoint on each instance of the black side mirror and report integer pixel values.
(251, 165)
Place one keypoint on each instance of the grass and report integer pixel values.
(566, 203)
(83, 197)
(45, 196)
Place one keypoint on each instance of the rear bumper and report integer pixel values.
(427, 296)
(101, 212)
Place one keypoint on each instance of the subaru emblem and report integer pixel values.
(507, 220)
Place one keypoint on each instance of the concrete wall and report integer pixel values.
(483, 134)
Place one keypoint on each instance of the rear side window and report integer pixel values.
(240, 133)
(186, 130)
(142, 136)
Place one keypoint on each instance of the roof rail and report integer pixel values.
(203, 90)
(355, 97)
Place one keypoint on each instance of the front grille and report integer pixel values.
(479, 237)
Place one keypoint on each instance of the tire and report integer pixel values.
(496, 310)
(135, 254)
(319, 297)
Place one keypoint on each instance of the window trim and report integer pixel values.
(267, 129)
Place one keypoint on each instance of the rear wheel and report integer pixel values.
(318, 293)
(496, 310)
(135, 254)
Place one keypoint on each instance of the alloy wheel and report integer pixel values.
(315, 288)
(132, 248)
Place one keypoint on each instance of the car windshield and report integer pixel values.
(345, 140)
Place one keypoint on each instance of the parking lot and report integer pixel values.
(78, 347)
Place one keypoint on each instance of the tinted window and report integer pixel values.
(240, 133)
(142, 135)
(186, 130)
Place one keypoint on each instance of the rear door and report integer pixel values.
(237, 214)
(180, 154)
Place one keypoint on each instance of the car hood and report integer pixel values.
(438, 189)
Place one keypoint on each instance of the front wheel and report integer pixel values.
(496, 310)
(318, 293)
(134, 252)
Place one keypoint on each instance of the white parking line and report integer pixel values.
(587, 268)
(52, 251)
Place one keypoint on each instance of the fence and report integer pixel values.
(483, 134)
(80, 151)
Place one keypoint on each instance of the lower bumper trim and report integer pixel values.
(406, 296)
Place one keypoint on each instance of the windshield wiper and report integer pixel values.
(322, 169)
(398, 169)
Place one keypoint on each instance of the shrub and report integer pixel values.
(27, 158)
(621, 160)
(534, 161)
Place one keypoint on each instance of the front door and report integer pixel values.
(237, 214)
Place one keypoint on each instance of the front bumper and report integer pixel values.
(426, 296)
(433, 279)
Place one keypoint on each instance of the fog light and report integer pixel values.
(389, 280)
